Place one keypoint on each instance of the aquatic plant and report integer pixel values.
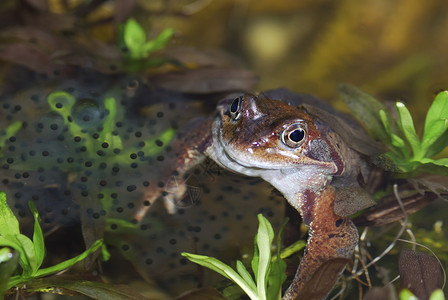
(406, 294)
(135, 39)
(31, 253)
(407, 152)
(269, 272)
(138, 47)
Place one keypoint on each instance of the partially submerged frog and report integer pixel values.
(282, 138)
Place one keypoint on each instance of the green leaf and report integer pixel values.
(25, 247)
(159, 42)
(255, 259)
(10, 237)
(385, 121)
(399, 143)
(245, 274)
(395, 142)
(407, 127)
(406, 294)
(440, 144)
(436, 122)
(70, 262)
(434, 166)
(278, 267)
(265, 235)
(440, 162)
(433, 169)
(437, 295)
(105, 254)
(38, 237)
(6, 254)
(291, 249)
(19, 279)
(8, 264)
(134, 38)
(8, 222)
(223, 269)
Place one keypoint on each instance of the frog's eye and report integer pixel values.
(235, 108)
(294, 135)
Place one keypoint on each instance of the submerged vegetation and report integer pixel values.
(29, 254)
(269, 271)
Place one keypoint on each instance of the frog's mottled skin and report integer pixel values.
(256, 136)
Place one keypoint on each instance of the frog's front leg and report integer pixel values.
(187, 150)
(331, 236)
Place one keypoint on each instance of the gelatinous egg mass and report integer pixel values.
(88, 113)
(85, 151)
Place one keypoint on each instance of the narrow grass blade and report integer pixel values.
(245, 274)
(436, 122)
(437, 295)
(407, 127)
(223, 269)
(255, 259)
(134, 38)
(278, 267)
(159, 42)
(8, 264)
(265, 235)
(8, 221)
(293, 248)
(70, 262)
(25, 247)
(38, 237)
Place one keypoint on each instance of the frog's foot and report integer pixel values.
(331, 236)
(170, 192)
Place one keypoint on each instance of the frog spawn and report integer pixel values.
(73, 177)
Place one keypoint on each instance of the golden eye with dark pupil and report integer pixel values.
(235, 108)
(294, 135)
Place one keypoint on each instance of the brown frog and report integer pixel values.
(287, 143)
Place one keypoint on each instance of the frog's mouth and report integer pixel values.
(230, 159)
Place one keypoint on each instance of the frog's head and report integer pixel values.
(283, 144)
(261, 133)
